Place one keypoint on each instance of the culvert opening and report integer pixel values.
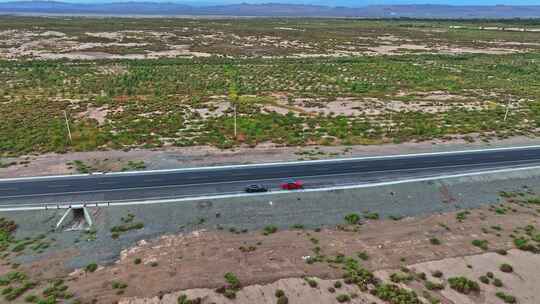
(75, 219)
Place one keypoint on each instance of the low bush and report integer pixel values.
(463, 285)
(433, 286)
(342, 298)
(352, 218)
(483, 244)
(270, 229)
(506, 268)
(91, 267)
(506, 297)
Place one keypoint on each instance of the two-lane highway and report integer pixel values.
(214, 180)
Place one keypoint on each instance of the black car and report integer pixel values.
(256, 188)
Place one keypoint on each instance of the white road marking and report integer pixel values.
(246, 181)
(279, 163)
(238, 195)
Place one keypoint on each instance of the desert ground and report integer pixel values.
(82, 95)
(446, 257)
(161, 84)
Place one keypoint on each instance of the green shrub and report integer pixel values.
(363, 255)
(506, 268)
(435, 241)
(31, 298)
(372, 216)
(312, 283)
(352, 218)
(463, 285)
(342, 298)
(399, 277)
(283, 300)
(118, 285)
(91, 267)
(395, 295)
(270, 229)
(230, 293)
(506, 297)
(279, 293)
(433, 286)
(232, 280)
(437, 274)
(483, 244)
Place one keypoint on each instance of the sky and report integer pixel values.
(349, 3)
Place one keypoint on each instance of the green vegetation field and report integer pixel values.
(152, 103)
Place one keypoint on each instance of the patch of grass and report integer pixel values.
(372, 216)
(134, 165)
(128, 224)
(483, 244)
(506, 297)
(461, 216)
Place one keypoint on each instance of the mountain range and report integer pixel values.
(270, 10)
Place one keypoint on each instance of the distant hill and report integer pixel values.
(270, 10)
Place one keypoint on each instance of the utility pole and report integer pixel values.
(235, 121)
(507, 108)
(67, 126)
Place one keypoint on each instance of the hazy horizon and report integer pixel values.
(348, 3)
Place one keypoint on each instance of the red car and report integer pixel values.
(292, 184)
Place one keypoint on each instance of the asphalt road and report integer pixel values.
(178, 183)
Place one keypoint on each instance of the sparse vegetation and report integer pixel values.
(91, 267)
(352, 218)
(435, 241)
(506, 297)
(483, 244)
(463, 285)
(342, 298)
(363, 255)
(506, 268)
(128, 224)
(270, 229)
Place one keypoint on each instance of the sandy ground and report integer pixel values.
(200, 259)
(47, 44)
(523, 282)
(168, 158)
